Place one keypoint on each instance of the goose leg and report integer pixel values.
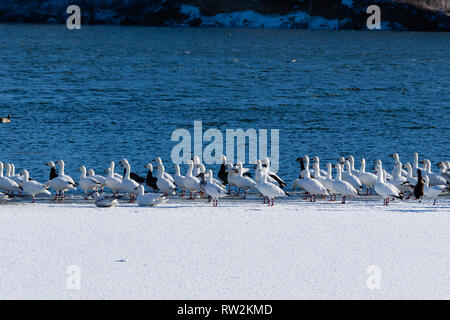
(343, 199)
(32, 199)
(434, 203)
(272, 201)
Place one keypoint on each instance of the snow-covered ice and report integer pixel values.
(240, 250)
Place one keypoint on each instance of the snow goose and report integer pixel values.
(113, 182)
(312, 186)
(387, 176)
(179, 180)
(397, 159)
(166, 175)
(443, 171)
(367, 179)
(197, 168)
(87, 183)
(163, 183)
(397, 179)
(149, 199)
(60, 184)
(213, 190)
(6, 184)
(241, 181)
(350, 177)
(150, 180)
(409, 177)
(105, 201)
(385, 190)
(128, 185)
(267, 189)
(435, 178)
(33, 188)
(343, 187)
(101, 179)
(62, 173)
(433, 191)
(15, 177)
(266, 164)
(203, 170)
(328, 182)
(416, 164)
(352, 165)
(191, 183)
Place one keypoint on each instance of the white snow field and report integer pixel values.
(240, 250)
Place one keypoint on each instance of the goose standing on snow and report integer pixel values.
(434, 178)
(343, 187)
(101, 179)
(105, 201)
(267, 189)
(385, 190)
(113, 182)
(352, 165)
(328, 183)
(149, 199)
(164, 183)
(223, 174)
(60, 184)
(87, 183)
(367, 179)
(266, 164)
(166, 175)
(241, 181)
(350, 177)
(397, 159)
(433, 191)
(416, 164)
(33, 188)
(13, 176)
(312, 186)
(443, 171)
(128, 185)
(191, 183)
(179, 180)
(212, 189)
(6, 184)
(419, 188)
(302, 173)
(62, 173)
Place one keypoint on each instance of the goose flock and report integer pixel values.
(410, 181)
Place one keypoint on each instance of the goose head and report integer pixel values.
(223, 158)
(196, 159)
(149, 166)
(25, 174)
(341, 161)
(91, 172)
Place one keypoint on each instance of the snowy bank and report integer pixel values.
(240, 250)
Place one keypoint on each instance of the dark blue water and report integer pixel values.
(104, 93)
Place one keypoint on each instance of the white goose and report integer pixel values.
(435, 178)
(367, 179)
(383, 189)
(87, 183)
(397, 179)
(433, 191)
(397, 159)
(352, 165)
(166, 175)
(267, 189)
(191, 183)
(32, 187)
(443, 171)
(272, 176)
(350, 177)
(149, 199)
(409, 177)
(128, 185)
(241, 181)
(163, 183)
(214, 190)
(179, 180)
(15, 177)
(62, 173)
(7, 184)
(312, 186)
(328, 183)
(416, 164)
(113, 182)
(60, 184)
(343, 187)
(101, 179)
